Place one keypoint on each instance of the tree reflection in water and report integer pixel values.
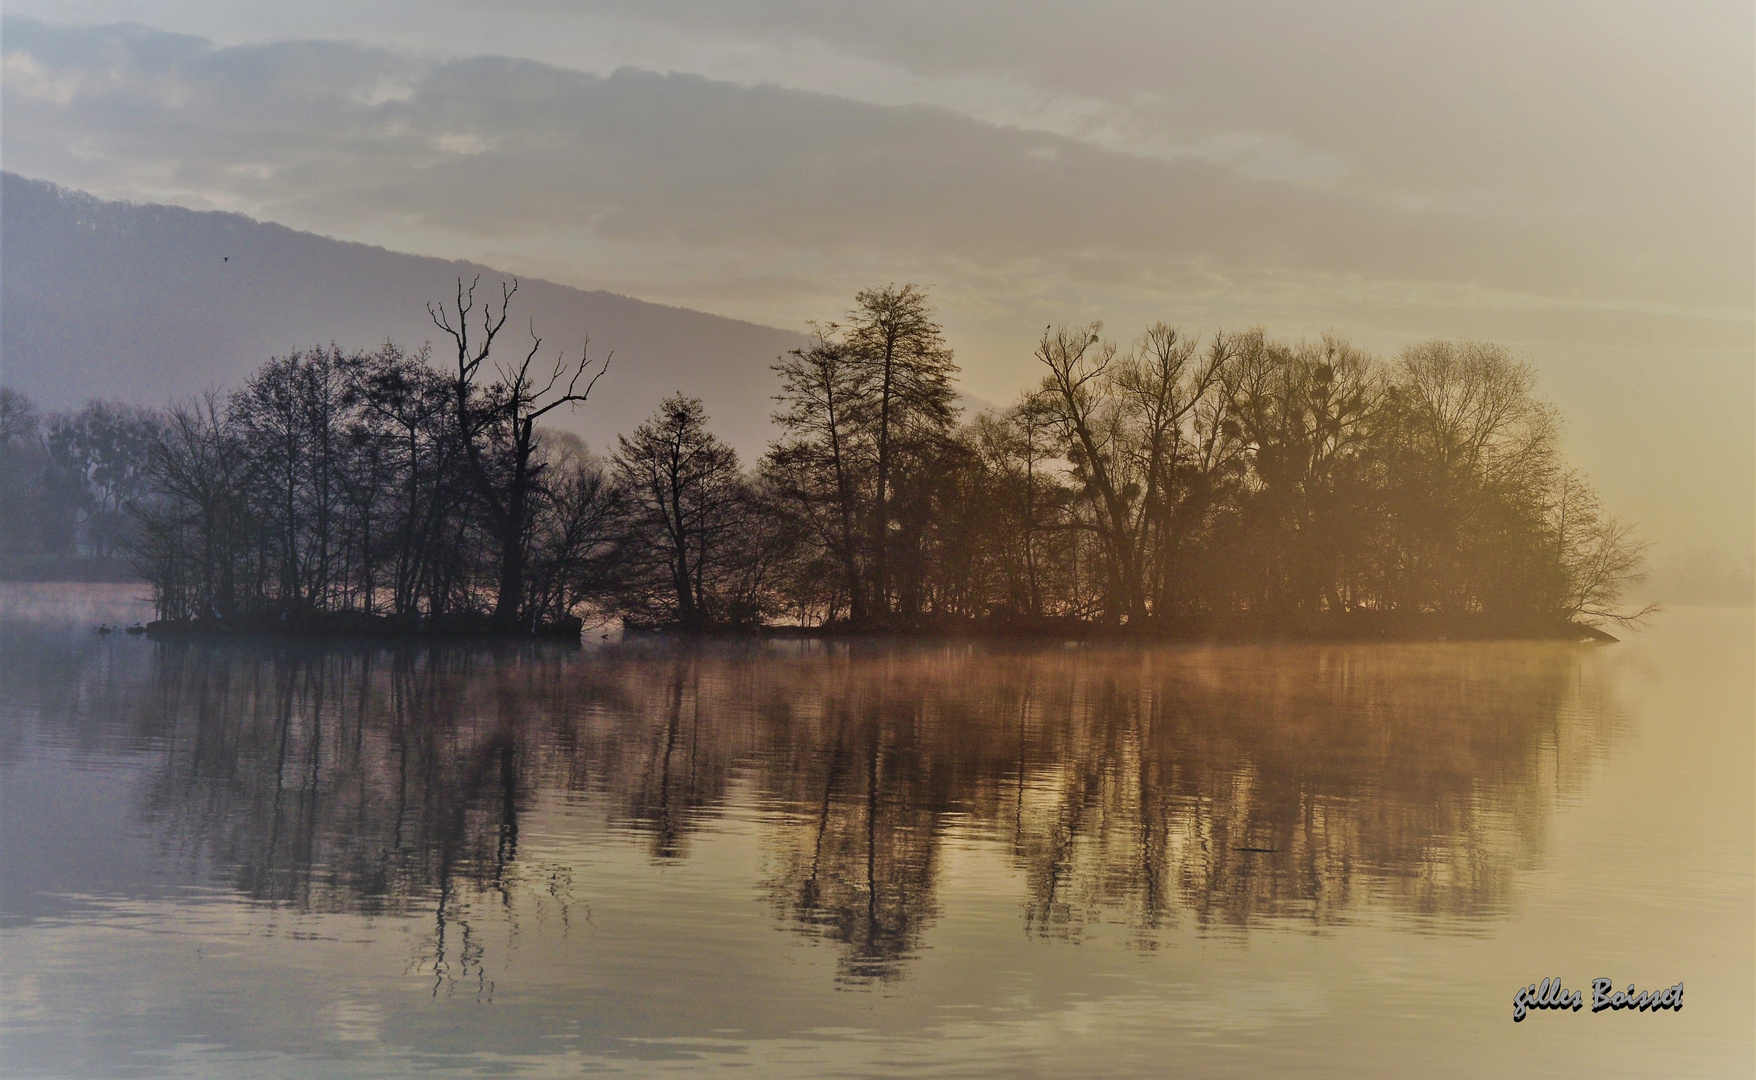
(1227, 786)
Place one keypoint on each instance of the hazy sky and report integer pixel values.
(1577, 180)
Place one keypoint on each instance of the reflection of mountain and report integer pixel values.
(1142, 787)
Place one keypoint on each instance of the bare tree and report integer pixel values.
(497, 424)
(193, 529)
(1597, 556)
(1077, 394)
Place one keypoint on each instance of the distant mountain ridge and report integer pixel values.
(146, 303)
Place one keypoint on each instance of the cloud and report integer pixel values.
(776, 204)
(1495, 103)
(1043, 175)
(658, 171)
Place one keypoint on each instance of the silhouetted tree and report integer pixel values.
(687, 501)
(1241, 484)
(821, 467)
(497, 424)
(894, 339)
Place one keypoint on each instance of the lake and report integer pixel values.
(657, 858)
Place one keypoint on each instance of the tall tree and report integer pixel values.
(895, 339)
(1079, 396)
(404, 407)
(497, 423)
(194, 529)
(686, 499)
(821, 466)
(1306, 414)
(289, 419)
(1476, 454)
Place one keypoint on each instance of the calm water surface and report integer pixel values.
(922, 860)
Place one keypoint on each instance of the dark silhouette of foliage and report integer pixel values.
(1232, 484)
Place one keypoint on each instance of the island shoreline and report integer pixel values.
(1352, 628)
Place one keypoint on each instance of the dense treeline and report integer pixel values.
(67, 480)
(1180, 484)
(383, 484)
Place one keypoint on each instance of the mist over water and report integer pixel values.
(844, 361)
(871, 859)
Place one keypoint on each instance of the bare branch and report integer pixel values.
(575, 398)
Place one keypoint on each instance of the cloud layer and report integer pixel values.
(721, 195)
(1533, 178)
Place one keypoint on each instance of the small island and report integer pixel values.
(1227, 486)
